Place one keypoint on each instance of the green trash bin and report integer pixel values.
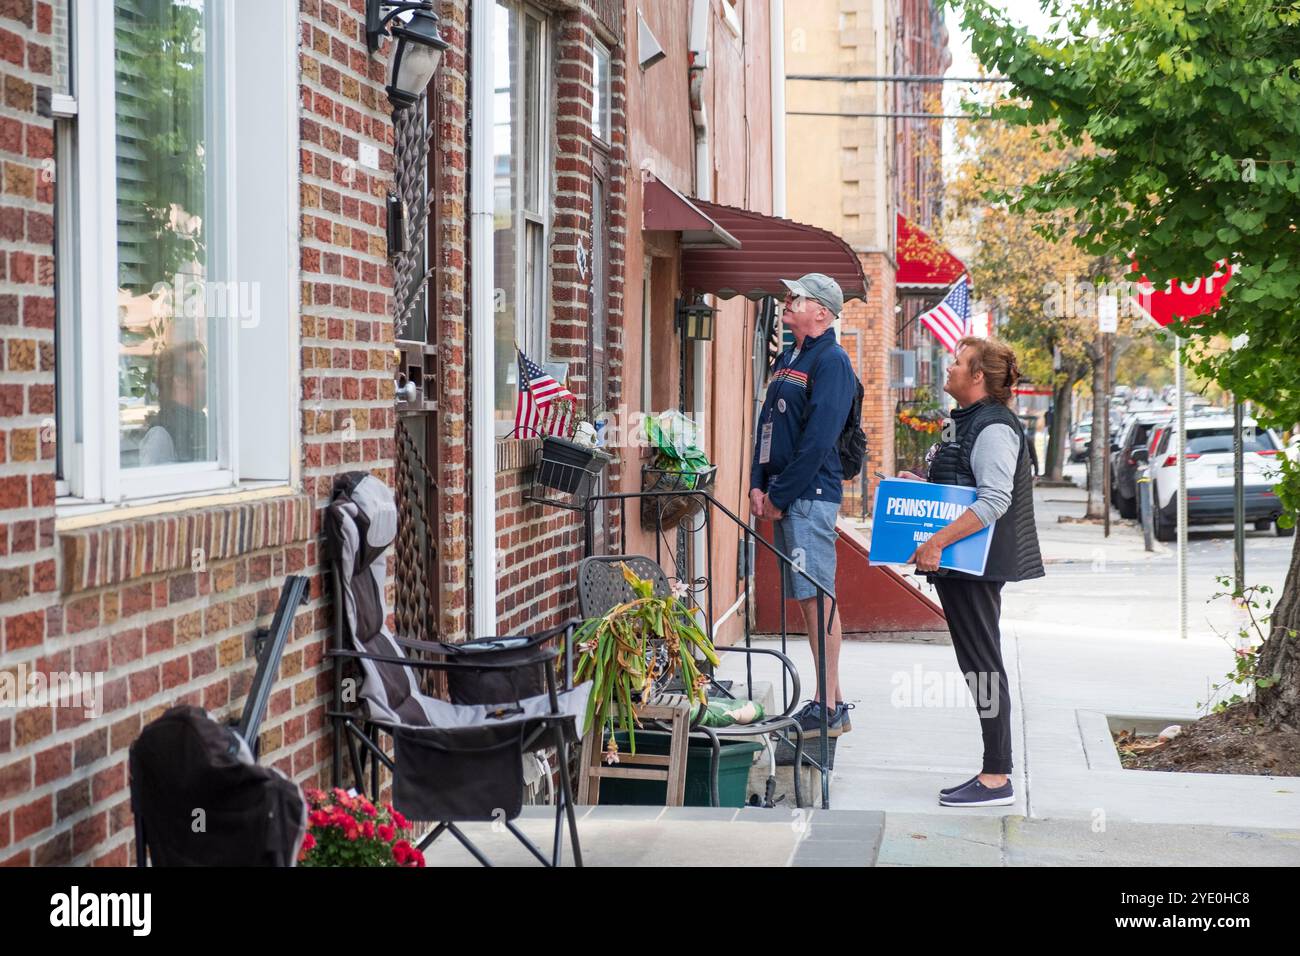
(734, 760)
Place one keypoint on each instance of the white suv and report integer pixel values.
(1209, 475)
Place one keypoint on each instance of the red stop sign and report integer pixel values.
(1183, 300)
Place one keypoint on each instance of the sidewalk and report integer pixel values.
(1096, 636)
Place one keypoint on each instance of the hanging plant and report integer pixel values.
(634, 648)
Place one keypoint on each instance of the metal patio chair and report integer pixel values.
(602, 587)
(457, 760)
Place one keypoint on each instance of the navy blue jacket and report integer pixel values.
(807, 402)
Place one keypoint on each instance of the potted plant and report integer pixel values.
(570, 463)
(343, 830)
(635, 647)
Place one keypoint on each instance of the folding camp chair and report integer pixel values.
(601, 587)
(453, 761)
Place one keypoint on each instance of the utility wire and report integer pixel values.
(897, 78)
(937, 116)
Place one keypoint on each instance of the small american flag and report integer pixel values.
(949, 321)
(541, 408)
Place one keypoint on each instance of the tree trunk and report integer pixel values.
(1279, 656)
(1058, 436)
(1100, 437)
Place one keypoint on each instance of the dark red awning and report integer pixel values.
(768, 248)
(922, 262)
(665, 209)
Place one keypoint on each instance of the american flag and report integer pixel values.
(539, 410)
(949, 321)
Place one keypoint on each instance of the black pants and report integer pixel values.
(973, 608)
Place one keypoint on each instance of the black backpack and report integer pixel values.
(852, 443)
(185, 762)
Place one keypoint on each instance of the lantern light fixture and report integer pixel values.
(417, 50)
(695, 320)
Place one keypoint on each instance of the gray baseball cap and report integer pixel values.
(820, 287)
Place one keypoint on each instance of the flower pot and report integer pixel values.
(568, 466)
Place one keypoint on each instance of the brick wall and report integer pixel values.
(875, 322)
(32, 619)
(451, 257)
(165, 606)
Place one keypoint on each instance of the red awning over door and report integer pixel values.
(768, 248)
(922, 262)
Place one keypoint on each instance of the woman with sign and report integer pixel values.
(985, 448)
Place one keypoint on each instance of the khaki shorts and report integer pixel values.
(807, 535)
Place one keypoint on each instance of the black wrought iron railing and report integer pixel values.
(701, 581)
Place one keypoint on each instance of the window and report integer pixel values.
(521, 210)
(1209, 441)
(172, 347)
(186, 239)
(600, 107)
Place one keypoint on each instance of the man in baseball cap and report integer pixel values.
(796, 476)
(819, 287)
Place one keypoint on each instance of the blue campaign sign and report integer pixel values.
(909, 512)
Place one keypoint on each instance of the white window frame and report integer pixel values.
(86, 260)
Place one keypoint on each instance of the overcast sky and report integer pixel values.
(1027, 13)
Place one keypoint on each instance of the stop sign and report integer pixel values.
(1182, 300)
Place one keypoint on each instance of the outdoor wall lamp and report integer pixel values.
(695, 320)
(418, 50)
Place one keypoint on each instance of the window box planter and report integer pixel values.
(568, 468)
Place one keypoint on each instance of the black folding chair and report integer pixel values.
(458, 760)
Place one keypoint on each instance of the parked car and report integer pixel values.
(1135, 434)
(1210, 475)
(1079, 441)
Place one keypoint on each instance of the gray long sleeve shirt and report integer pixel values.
(993, 461)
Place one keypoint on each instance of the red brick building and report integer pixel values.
(204, 318)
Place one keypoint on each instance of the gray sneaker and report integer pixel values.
(842, 716)
(810, 719)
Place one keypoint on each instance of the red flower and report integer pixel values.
(400, 821)
(308, 842)
(318, 818)
(401, 853)
(368, 830)
(386, 832)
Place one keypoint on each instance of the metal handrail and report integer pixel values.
(783, 560)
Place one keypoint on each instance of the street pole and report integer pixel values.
(1105, 424)
(1108, 324)
(1181, 417)
(1238, 500)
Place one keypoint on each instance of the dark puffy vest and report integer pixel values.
(1013, 553)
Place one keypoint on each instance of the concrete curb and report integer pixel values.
(1095, 730)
